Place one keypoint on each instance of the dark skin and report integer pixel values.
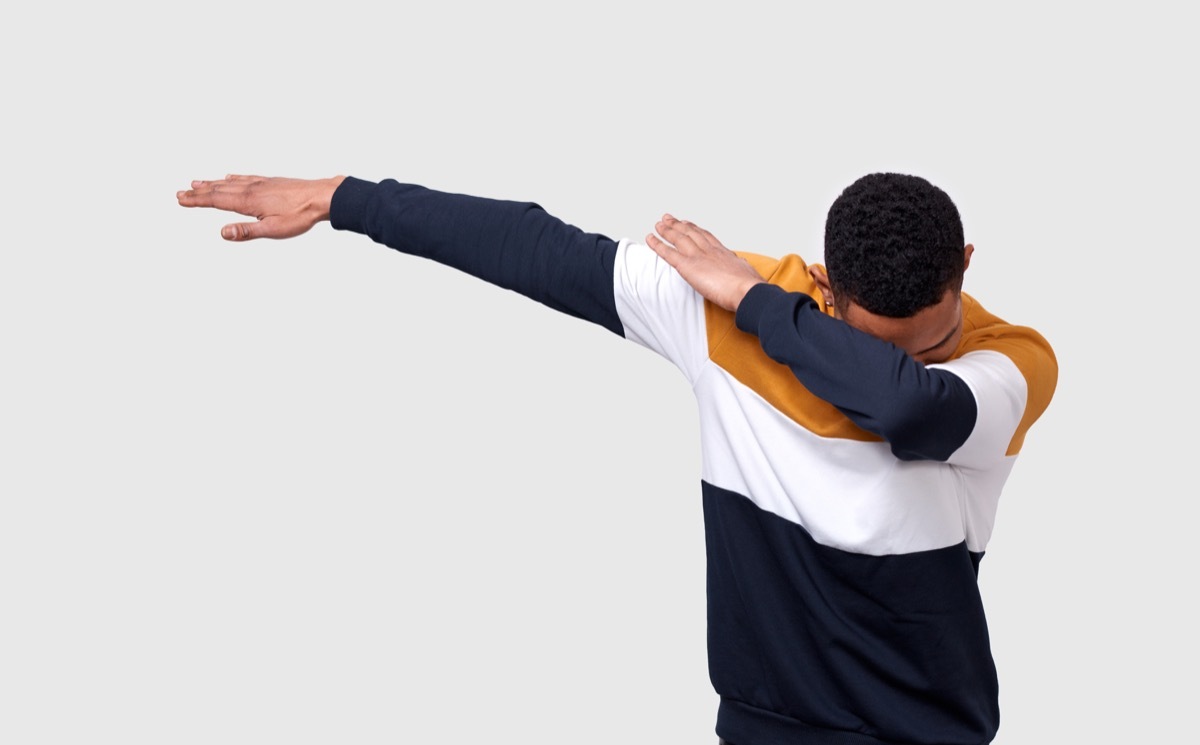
(287, 207)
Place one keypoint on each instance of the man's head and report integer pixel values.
(895, 259)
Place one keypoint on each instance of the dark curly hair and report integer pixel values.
(893, 245)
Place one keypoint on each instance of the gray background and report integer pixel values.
(317, 491)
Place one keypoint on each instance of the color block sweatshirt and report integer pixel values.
(848, 490)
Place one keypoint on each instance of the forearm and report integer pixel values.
(515, 245)
(923, 413)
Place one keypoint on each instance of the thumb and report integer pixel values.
(242, 231)
(271, 226)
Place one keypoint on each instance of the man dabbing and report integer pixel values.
(858, 422)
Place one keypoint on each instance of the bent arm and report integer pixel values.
(924, 413)
(515, 245)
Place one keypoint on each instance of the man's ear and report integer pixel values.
(822, 279)
(967, 251)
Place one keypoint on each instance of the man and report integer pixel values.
(857, 425)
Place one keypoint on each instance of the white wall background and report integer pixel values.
(317, 491)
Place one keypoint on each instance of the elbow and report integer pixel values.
(929, 427)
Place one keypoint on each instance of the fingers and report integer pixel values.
(672, 230)
(220, 193)
(701, 232)
(212, 183)
(230, 196)
(227, 194)
(229, 178)
(686, 237)
(662, 248)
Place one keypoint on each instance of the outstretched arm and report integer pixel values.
(515, 245)
(923, 413)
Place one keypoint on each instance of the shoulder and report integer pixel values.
(1024, 346)
(789, 272)
(993, 347)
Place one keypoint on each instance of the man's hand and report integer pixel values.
(284, 207)
(714, 271)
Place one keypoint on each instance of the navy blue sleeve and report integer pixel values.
(515, 245)
(924, 413)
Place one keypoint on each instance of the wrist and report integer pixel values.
(756, 300)
(324, 197)
(743, 290)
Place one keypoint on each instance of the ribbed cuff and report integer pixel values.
(751, 308)
(349, 204)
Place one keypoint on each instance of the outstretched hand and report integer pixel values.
(284, 207)
(714, 271)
